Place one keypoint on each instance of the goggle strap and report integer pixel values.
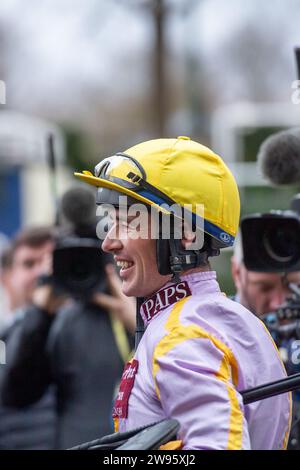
(144, 184)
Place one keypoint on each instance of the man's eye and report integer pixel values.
(107, 227)
(265, 289)
(123, 224)
(28, 264)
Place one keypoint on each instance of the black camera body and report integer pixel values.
(79, 266)
(271, 241)
(271, 244)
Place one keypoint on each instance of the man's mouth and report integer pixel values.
(124, 264)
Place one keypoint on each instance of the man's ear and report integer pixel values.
(188, 237)
(6, 279)
(236, 272)
(3, 279)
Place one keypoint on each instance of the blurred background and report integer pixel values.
(102, 75)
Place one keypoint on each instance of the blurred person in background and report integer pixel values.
(21, 265)
(80, 347)
(4, 308)
(7, 296)
(263, 293)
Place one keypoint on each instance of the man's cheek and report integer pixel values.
(252, 294)
(17, 281)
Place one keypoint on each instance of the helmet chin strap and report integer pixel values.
(173, 258)
(181, 259)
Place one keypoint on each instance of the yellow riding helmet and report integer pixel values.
(163, 172)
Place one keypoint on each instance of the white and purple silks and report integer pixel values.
(199, 349)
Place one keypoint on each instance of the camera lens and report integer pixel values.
(281, 243)
(78, 266)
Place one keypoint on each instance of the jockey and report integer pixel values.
(172, 204)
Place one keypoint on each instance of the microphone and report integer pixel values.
(279, 157)
(78, 209)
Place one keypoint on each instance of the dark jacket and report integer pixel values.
(34, 426)
(76, 351)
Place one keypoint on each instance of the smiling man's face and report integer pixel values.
(136, 255)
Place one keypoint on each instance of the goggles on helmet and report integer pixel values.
(124, 170)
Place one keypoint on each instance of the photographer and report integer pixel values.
(267, 289)
(80, 348)
(266, 267)
(33, 427)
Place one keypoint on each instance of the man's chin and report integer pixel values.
(134, 290)
(129, 290)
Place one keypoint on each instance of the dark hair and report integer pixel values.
(33, 237)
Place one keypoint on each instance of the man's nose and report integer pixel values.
(35, 272)
(111, 243)
(277, 299)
